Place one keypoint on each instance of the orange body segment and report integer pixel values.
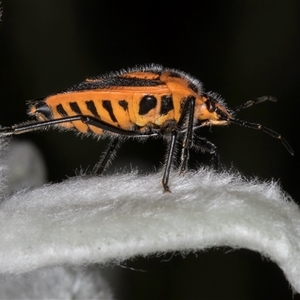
(136, 101)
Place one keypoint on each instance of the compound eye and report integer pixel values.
(210, 105)
(41, 108)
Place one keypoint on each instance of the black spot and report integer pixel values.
(90, 105)
(124, 104)
(193, 87)
(147, 103)
(44, 109)
(107, 106)
(61, 110)
(74, 106)
(166, 104)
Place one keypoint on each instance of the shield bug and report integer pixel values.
(142, 102)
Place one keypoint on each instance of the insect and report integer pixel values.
(142, 102)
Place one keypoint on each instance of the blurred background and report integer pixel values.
(241, 50)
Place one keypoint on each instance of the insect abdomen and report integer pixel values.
(125, 109)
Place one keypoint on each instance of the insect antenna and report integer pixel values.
(257, 126)
(253, 102)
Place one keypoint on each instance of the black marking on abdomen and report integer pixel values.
(90, 105)
(60, 109)
(107, 106)
(166, 104)
(147, 103)
(74, 106)
(123, 104)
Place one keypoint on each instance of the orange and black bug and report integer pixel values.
(147, 101)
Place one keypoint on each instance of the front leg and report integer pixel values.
(168, 165)
(186, 123)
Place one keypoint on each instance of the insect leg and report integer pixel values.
(204, 145)
(165, 180)
(187, 112)
(31, 126)
(253, 102)
(188, 115)
(108, 156)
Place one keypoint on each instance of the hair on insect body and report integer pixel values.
(142, 102)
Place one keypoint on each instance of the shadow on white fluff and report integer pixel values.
(55, 283)
(112, 218)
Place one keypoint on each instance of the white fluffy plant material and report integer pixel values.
(86, 220)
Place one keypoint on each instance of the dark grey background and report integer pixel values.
(241, 50)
